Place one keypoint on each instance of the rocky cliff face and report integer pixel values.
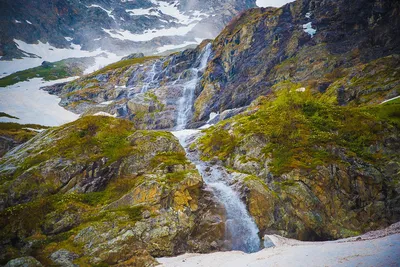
(145, 90)
(304, 135)
(113, 25)
(311, 42)
(311, 170)
(99, 191)
(345, 52)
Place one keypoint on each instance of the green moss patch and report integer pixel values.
(57, 70)
(303, 130)
(123, 64)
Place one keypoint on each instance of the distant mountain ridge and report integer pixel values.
(117, 26)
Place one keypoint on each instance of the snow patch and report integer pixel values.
(102, 8)
(47, 52)
(165, 48)
(69, 39)
(103, 60)
(149, 34)
(273, 3)
(105, 114)
(34, 130)
(309, 29)
(143, 11)
(172, 10)
(382, 251)
(308, 15)
(17, 21)
(34, 105)
(302, 89)
(27, 21)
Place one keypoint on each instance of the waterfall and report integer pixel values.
(240, 226)
(185, 103)
(150, 79)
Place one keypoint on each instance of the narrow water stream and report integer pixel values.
(185, 103)
(241, 229)
(240, 226)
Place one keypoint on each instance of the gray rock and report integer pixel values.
(23, 262)
(64, 258)
(268, 242)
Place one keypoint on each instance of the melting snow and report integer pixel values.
(108, 11)
(25, 101)
(142, 12)
(102, 61)
(382, 251)
(105, 114)
(34, 130)
(171, 47)
(47, 52)
(172, 10)
(149, 34)
(309, 29)
(188, 20)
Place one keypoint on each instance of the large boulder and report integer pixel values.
(98, 191)
(24, 262)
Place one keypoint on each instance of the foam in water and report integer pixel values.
(241, 227)
(151, 76)
(185, 103)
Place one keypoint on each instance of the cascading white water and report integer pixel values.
(241, 228)
(185, 103)
(150, 79)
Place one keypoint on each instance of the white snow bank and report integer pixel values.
(373, 249)
(273, 3)
(106, 10)
(165, 48)
(34, 130)
(143, 11)
(309, 29)
(25, 101)
(47, 52)
(150, 34)
(172, 10)
(105, 114)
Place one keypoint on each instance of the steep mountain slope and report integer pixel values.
(311, 42)
(106, 193)
(312, 170)
(113, 25)
(303, 140)
(346, 52)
